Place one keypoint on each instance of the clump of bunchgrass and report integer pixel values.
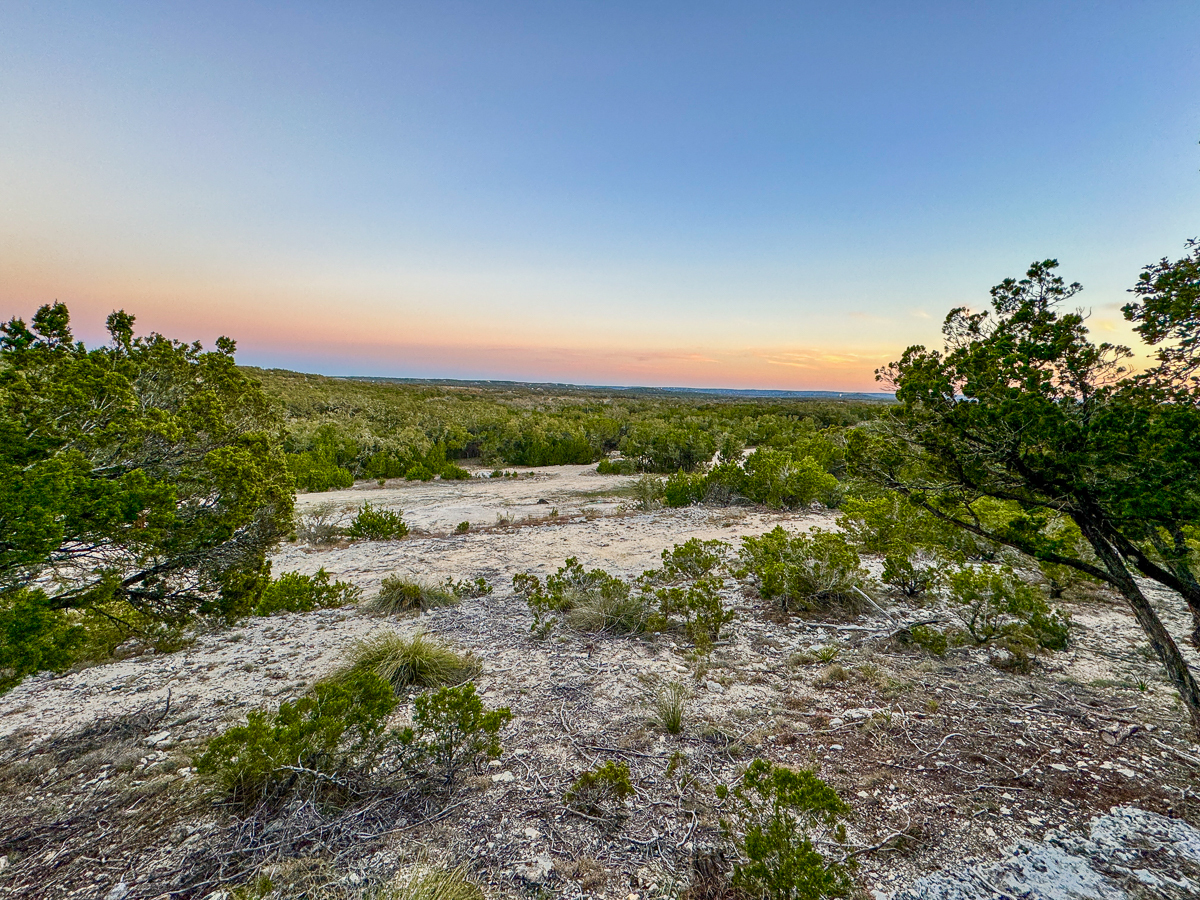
(618, 613)
(669, 704)
(416, 661)
(406, 596)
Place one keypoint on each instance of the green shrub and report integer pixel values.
(419, 472)
(616, 467)
(777, 818)
(699, 604)
(911, 575)
(321, 741)
(668, 446)
(803, 571)
(417, 661)
(451, 729)
(994, 602)
(293, 592)
(693, 559)
(684, 489)
(887, 523)
(930, 639)
(591, 601)
(398, 596)
(372, 523)
(452, 472)
(314, 474)
(775, 478)
(468, 590)
(648, 491)
(601, 791)
(462, 527)
(688, 586)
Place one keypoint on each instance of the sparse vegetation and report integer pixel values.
(648, 491)
(468, 590)
(317, 525)
(433, 883)
(592, 601)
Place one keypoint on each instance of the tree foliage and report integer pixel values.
(1023, 408)
(147, 473)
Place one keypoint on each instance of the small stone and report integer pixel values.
(714, 687)
(161, 738)
(118, 892)
(536, 870)
(532, 833)
(501, 777)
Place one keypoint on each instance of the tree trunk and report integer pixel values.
(1191, 592)
(1160, 639)
(1175, 559)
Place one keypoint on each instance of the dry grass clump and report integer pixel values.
(594, 612)
(405, 596)
(417, 661)
(434, 883)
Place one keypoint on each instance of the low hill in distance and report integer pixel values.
(632, 390)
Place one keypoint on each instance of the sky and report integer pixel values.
(740, 194)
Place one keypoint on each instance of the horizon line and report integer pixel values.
(765, 393)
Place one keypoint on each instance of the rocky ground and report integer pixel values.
(942, 759)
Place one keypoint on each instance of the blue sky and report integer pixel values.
(745, 195)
